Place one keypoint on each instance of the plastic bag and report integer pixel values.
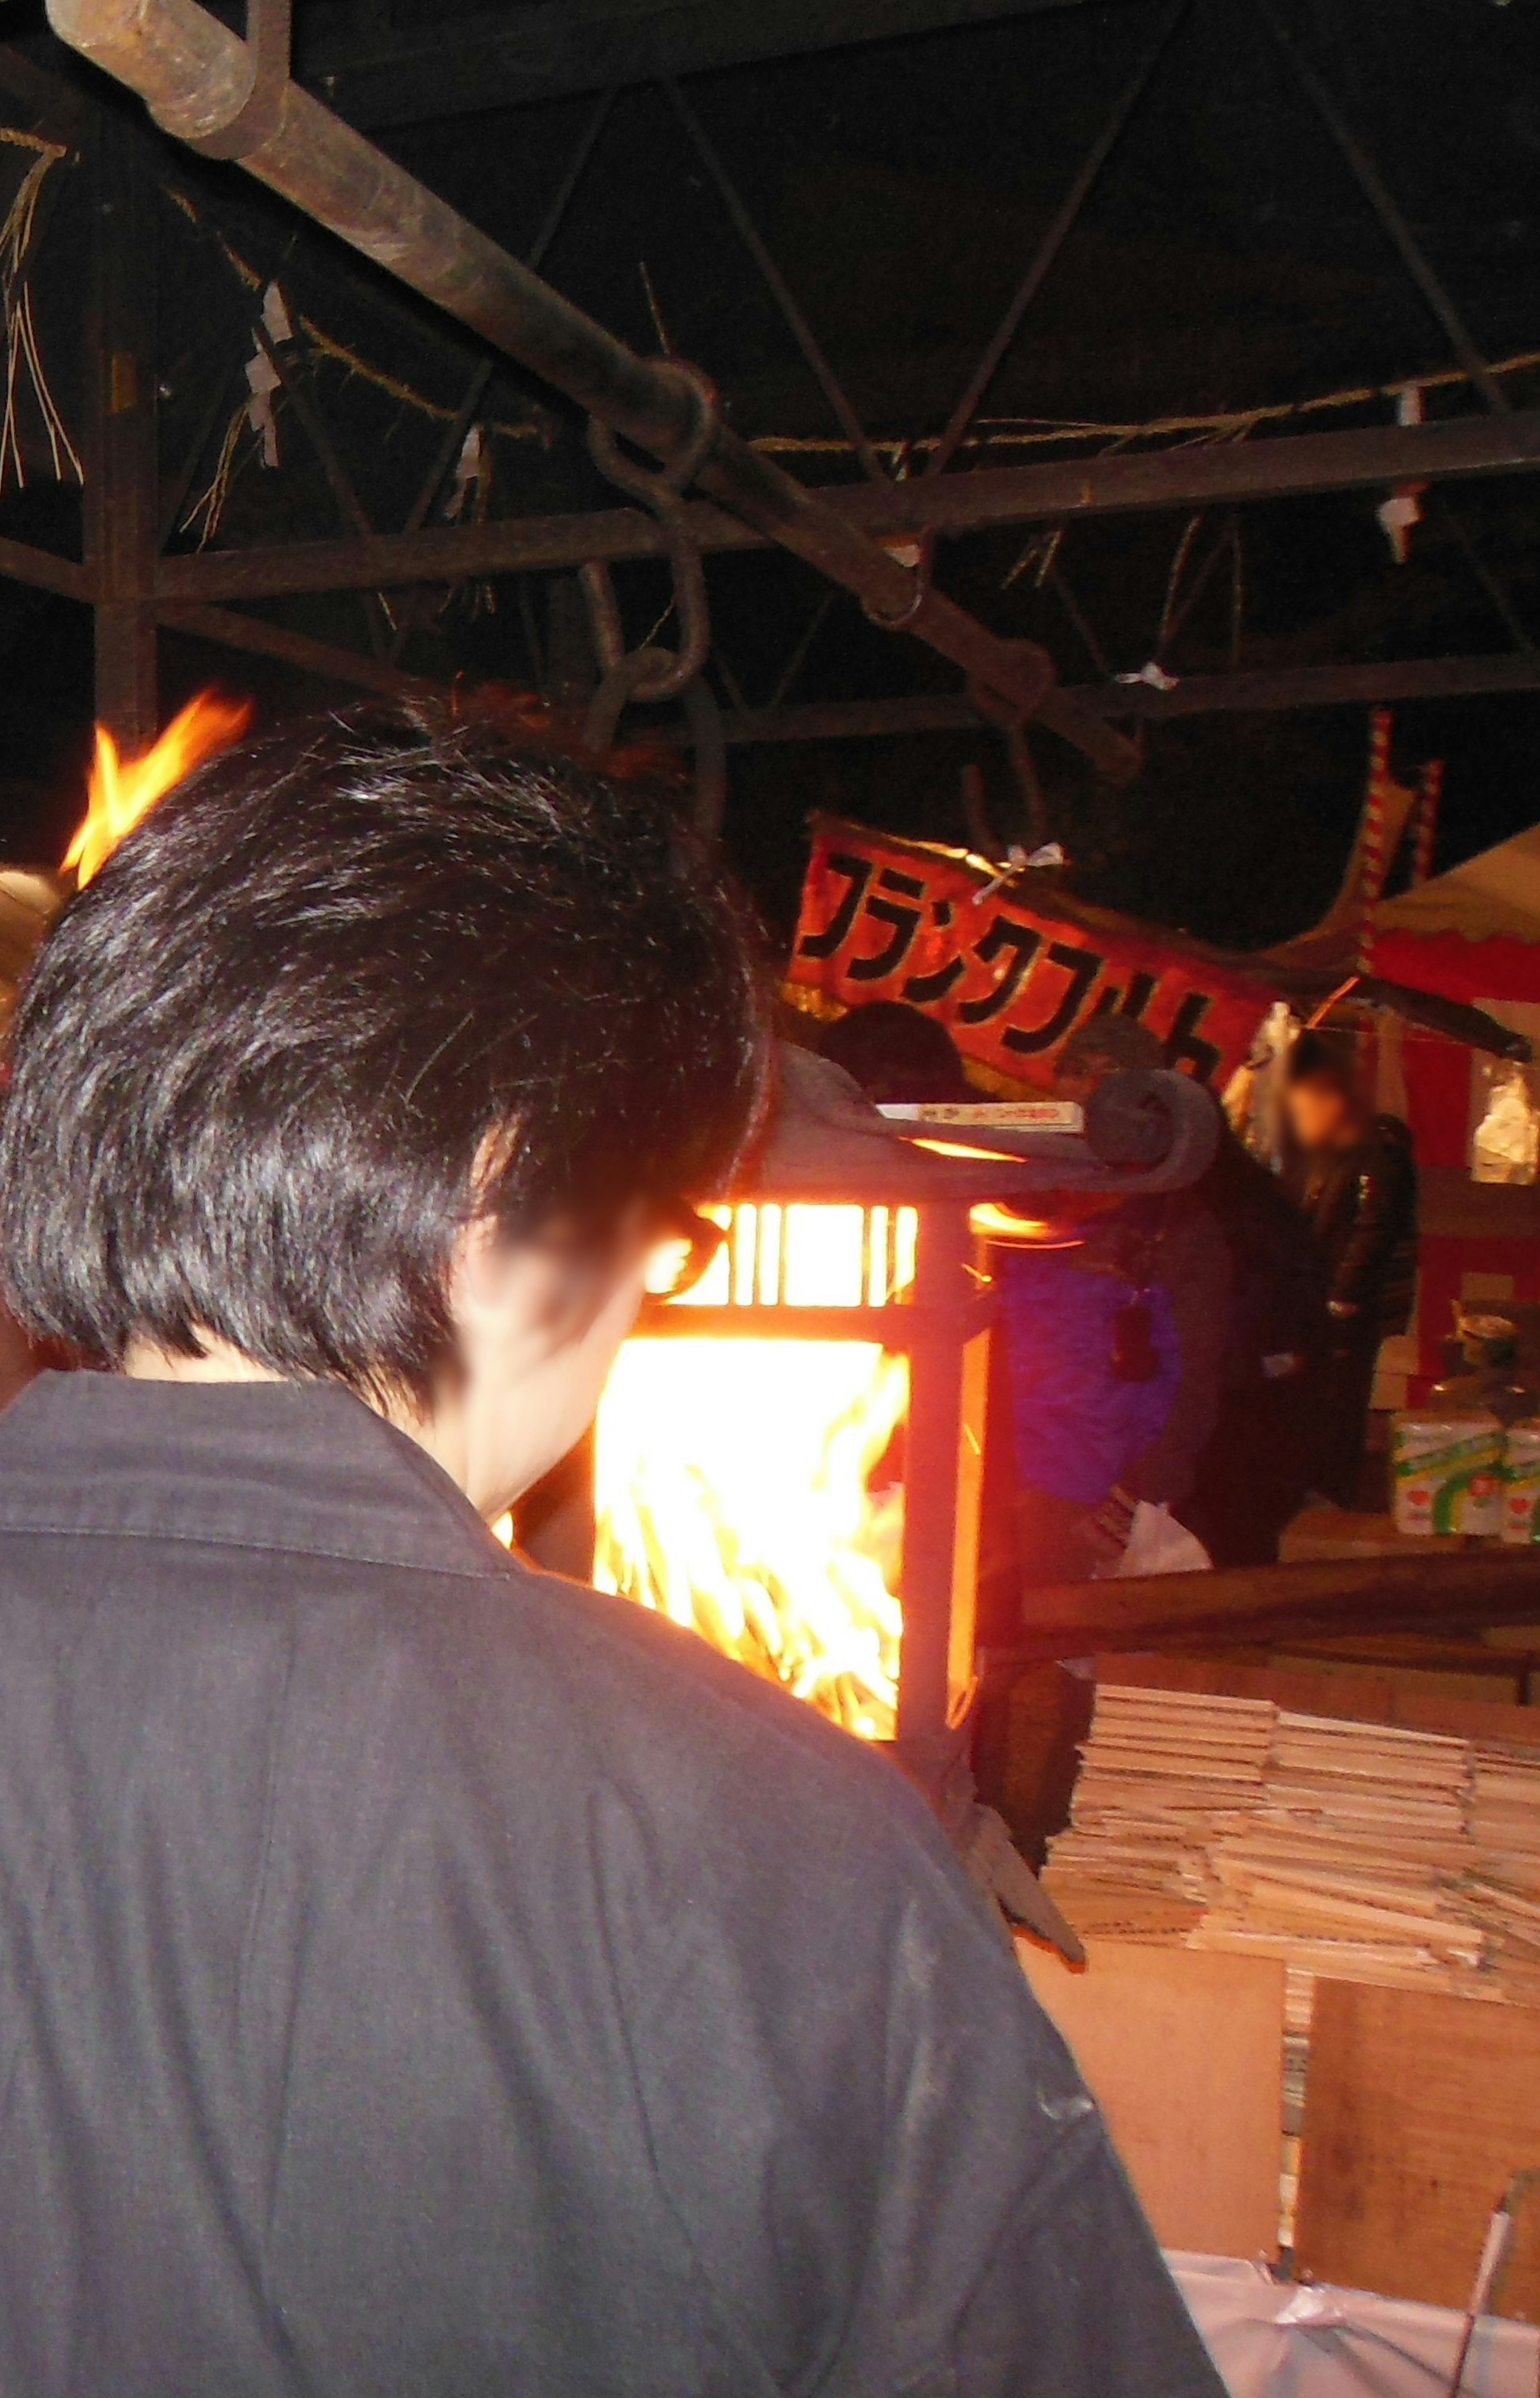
(1157, 1543)
(1505, 1146)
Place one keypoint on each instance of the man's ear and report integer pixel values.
(500, 1291)
(522, 1290)
(479, 1264)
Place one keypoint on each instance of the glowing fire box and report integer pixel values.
(740, 1477)
(789, 1457)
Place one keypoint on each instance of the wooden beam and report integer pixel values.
(326, 660)
(1055, 490)
(500, 59)
(1335, 1597)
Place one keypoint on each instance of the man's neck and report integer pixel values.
(220, 1361)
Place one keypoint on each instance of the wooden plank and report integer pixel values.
(1418, 2111)
(1183, 2055)
(1276, 1605)
(1367, 1694)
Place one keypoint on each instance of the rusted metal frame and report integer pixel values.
(801, 332)
(54, 99)
(797, 657)
(531, 631)
(1429, 283)
(1051, 242)
(297, 387)
(650, 673)
(21, 561)
(565, 190)
(1129, 484)
(1516, 631)
(449, 448)
(298, 391)
(256, 638)
(433, 483)
(1278, 689)
(253, 116)
(550, 226)
(502, 58)
(121, 502)
(1060, 584)
(190, 68)
(1195, 590)
(44, 213)
(30, 564)
(730, 683)
(454, 440)
(226, 389)
(1284, 688)
(1371, 184)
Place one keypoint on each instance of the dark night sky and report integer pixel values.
(1226, 262)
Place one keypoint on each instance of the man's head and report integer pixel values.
(1107, 1044)
(379, 1052)
(896, 1054)
(1321, 1096)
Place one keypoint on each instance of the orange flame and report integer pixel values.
(121, 791)
(733, 1476)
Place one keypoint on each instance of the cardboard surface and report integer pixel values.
(1418, 2111)
(1183, 2054)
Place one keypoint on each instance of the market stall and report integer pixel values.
(1474, 935)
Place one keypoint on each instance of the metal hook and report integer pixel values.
(654, 673)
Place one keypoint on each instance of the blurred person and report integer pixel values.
(1116, 1313)
(1255, 1470)
(1354, 1175)
(419, 1974)
(896, 1054)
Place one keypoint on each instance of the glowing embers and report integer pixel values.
(121, 791)
(745, 1486)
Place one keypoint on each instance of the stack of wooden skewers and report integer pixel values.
(1166, 1775)
(1359, 1849)
(1503, 1887)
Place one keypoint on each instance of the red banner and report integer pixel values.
(888, 919)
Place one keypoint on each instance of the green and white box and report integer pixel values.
(1521, 1487)
(1448, 1473)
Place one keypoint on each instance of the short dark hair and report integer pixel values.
(1316, 1057)
(1109, 1044)
(896, 1054)
(347, 988)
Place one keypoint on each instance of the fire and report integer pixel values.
(121, 791)
(733, 1476)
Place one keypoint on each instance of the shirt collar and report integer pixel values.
(303, 1467)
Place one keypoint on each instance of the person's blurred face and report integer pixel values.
(536, 1332)
(1321, 1114)
(1079, 1080)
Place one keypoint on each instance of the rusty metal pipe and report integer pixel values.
(192, 74)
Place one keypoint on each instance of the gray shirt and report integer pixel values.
(420, 1975)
